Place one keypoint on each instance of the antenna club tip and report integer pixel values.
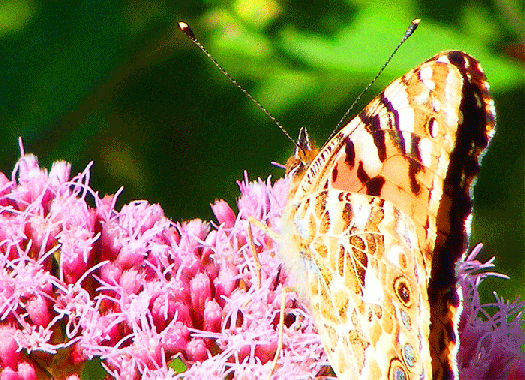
(185, 28)
(412, 28)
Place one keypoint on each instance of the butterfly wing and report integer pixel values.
(376, 222)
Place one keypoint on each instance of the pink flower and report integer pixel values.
(143, 293)
(224, 213)
(9, 354)
(212, 316)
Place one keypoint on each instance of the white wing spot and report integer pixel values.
(373, 289)
(393, 254)
(425, 73)
(492, 106)
(425, 149)
(406, 119)
(408, 142)
(436, 105)
(361, 217)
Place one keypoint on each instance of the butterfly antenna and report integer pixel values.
(408, 33)
(188, 32)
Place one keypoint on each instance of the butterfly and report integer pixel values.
(376, 220)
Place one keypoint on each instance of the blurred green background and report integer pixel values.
(116, 83)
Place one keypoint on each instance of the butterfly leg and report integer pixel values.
(255, 255)
(281, 329)
(285, 290)
(272, 234)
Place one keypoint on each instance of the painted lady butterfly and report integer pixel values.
(376, 219)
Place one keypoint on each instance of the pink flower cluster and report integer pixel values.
(492, 336)
(80, 280)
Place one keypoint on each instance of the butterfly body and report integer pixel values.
(375, 222)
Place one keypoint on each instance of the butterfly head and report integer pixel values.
(304, 154)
